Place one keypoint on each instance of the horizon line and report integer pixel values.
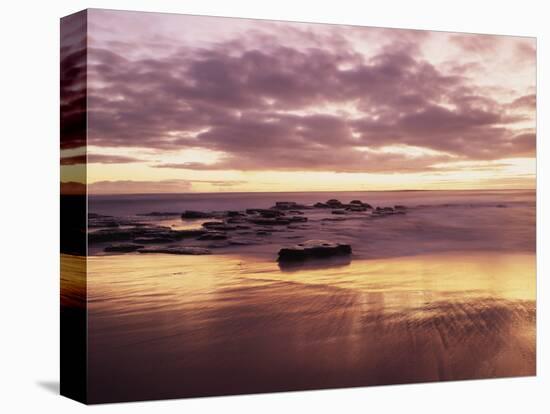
(307, 191)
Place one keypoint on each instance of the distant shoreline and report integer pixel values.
(314, 191)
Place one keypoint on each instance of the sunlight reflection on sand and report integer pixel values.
(204, 325)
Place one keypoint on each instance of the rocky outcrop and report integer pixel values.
(191, 214)
(313, 249)
(159, 214)
(213, 235)
(264, 212)
(279, 221)
(359, 204)
(123, 248)
(333, 203)
(186, 250)
(289, 205)
(139, 234)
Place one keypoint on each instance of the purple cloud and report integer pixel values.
(264, 104)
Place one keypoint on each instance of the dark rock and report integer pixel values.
(123, 247)
(313, 249)
(356, 208)
(187, 233)
(232, 213)
(289, 205)
(153, 240)
(333, 203)
(399, 207)
(218, 244)
(358, 204)
(338, 212)
(221, 226)
(210, 224)
(176, 250)
(264, 212)
(160, 233)
(213, 235)
(190, 214)
(271, 214)
(263, 233)
(297, 219)
(270, 221)
(320, 205)
(159, 214)
(234, 220)
(113, 235)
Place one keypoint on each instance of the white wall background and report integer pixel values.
(29, 221)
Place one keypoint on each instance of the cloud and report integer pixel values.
(138, 187)
(98, 159)
(525, 102)
(73, 75)
(72, 188)
(163, 186)
(268, 105)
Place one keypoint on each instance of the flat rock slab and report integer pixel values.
(312, 249)
(123, 248)
(176, 250)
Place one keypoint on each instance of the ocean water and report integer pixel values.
(444, 292)
(436, 221)
(122, 205)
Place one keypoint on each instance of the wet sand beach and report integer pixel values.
(181, 326)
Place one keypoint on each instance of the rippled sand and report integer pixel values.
(175, 326)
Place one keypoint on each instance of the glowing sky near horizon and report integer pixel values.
(190, 103)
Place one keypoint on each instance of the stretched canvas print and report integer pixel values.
(253, 206)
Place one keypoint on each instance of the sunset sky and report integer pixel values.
(186, 103)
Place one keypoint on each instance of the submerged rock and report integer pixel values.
(270, 221)
(320, 205)
(359, 204)
(265, 212)
(213, 235)
(219, 226)
(289, 205)
(159, 214)
(233, 213)
(338, 212)
(176, 250)
(313, 249)
(123, 247)
(356, 208)
(153, 240)
(191, 214)
(160, 234)
(297, 219)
